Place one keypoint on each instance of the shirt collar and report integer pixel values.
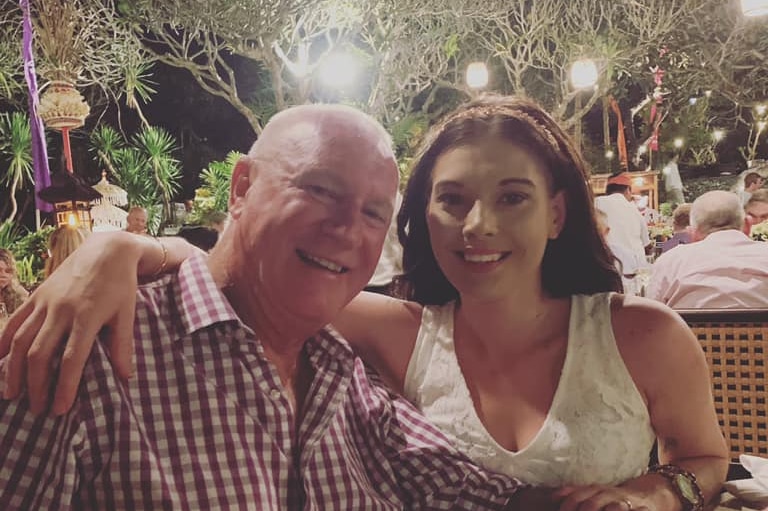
(199, 301)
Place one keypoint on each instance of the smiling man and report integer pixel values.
(242, 399)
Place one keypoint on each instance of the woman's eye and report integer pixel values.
(512, 198)
(450, 199)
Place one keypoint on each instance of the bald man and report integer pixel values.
(136, 220)
(242, 398)
(722, 268)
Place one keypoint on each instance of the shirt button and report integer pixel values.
(274, 394)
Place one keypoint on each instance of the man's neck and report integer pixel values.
(282, 338)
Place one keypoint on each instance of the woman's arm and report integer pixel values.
(669, 368)
(383, 331)
(94, 287)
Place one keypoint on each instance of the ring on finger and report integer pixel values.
(628, 503)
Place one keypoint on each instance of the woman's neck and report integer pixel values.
(512, 324)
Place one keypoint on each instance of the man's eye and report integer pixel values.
(321, 191)
(375, 215)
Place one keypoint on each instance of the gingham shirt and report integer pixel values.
(205, 424)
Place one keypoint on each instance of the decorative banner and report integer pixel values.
(39, 150)
(621, 141)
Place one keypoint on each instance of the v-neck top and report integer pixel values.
(597, 430)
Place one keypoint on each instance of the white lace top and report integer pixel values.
(597, 430)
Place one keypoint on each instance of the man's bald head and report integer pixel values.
(297, 130)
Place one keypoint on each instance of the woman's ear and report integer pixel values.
(242, 176)
(557, 221)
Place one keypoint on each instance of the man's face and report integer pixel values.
(312, 218)
(137, 222)
(757, 212)
(756, 185)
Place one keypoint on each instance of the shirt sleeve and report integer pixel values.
(38, 466)
(430, 472)
(659, 281)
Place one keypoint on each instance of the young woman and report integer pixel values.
(516, 342)
(12, 294)
(62, 242)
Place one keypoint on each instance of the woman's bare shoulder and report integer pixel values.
(653, 339)
(383, 331)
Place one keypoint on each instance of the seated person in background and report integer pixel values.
(12, 294)
(61, 243)
(681, 222)
(752, 183)
(136, 220)
(242, 398)
(515, 344)
(756, 209)
(721, 268)
(200, 236)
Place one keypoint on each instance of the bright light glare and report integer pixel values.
(477, 75)
(339, 70)
(761, 125)
(72, 220)
(609, 154)
(642, 149)
(760, 109)
(754, 7)
(583, 74)
(678, 143)
(718, 135)
(692, 101)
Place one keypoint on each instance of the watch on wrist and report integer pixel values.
(684, 484)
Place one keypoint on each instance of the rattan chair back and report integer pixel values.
(735, 343)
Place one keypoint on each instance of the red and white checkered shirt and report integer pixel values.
(205, 424)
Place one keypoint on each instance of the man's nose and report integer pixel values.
(345, 222)
(480, 221)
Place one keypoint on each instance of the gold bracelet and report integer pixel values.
(161, 269)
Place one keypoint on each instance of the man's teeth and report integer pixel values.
(325, 263)
(485, 258)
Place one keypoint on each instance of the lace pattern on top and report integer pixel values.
(597, 431)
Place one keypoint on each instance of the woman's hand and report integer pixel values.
(600, 498)
(95, 287)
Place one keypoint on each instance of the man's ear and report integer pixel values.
(241, 183)
(558, 205)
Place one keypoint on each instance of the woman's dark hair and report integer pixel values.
(577, 262)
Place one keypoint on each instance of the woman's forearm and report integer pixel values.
(659, 491)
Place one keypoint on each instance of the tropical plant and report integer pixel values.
(144, 167)
(10, 233)
(30, 251)
(16, 150)
(213, 195)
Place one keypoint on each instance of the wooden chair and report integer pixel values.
(735, 343)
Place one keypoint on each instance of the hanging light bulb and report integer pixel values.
(477, 75)
(752, 8)
(583, 74)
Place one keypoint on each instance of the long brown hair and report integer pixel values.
(577, 262)
(12, 295)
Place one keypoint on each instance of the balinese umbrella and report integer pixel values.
(110, 193)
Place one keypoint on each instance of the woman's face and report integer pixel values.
(6, 274)
(490, 215)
